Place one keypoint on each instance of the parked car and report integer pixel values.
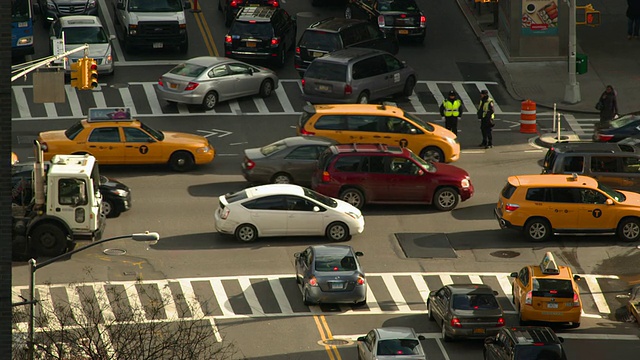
(466, 311)
(231, 8)
(366, 173)
(400, 17)
(208, 80)
(116, 196)
(356, 75)
(261, 33)
(391, 343)
(286, 161)
(330, 274)
(285, 210)
(332, 34)
(621, 128)
(55, 9)
(524, 343)
(78, 30)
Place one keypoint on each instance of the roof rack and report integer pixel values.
(109, 114)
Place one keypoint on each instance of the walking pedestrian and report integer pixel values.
(633, 13)
(608, 105)
(486, 116)
(450, 110)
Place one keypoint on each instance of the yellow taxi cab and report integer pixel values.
(113, 137)
(545, 205)
(547, 292)
(380, 124)
(14, 158)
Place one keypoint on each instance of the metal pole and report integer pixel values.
(559, 115)
(553, 122)
(32, 295)
(572, 90)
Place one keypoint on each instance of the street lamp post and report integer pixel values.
(33, 266)
(572, 90)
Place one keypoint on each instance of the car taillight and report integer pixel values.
(423, 21)
(500, 321)
(235, 3)
(455, 322)
(302, 82)
(603, 137)
(248, 164)
(325, 176)
(576, 300)
(381, 20)
(297, 50)
(273, 3)
(528, 299)
(160, 83)
(402, 16)
(511, 207)
(191, 86)
(225, 213)
(348, 89)
(313, 281)
(360, 280)
(275, 41)
(304, 132)
(227, 39)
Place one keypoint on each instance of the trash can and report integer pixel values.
(582, 63)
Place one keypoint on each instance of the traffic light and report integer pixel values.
(77, 73)
(592, 18)
(91, 69)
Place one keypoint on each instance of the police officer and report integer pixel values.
(486, 116)
(450, 110)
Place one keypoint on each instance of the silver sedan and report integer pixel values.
(206, 80)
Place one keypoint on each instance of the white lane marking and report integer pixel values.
(98, 97)
(596, 293)
(221, 297)
(281, 296)
(422, 287)
(372, 303)
(505, 284)
(415, 102)
(150, 90)
(284, 100)
(435, 92)
(394, 291)
(469, 105)
(261, 105)
(74, 102)
(183, 109)
(235, 107)
(168, 303)
(475, 279)
(51, 110)
(46, 309)
(442, 349)
(127, 100)
(75, 304)
(139, 314)
(103, 303)
(446, 279)
(21, 101)
(191, 299)
(250, 296)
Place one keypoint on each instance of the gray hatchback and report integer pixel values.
(356, 75)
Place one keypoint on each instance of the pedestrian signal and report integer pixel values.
(92, 73)
(77, 73)
(592, 18)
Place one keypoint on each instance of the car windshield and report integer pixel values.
(188, 70)
(85, 35)
(320, 198)
(103, 180)
(257, 29)
(425, 164)
(233, 197)
(399, 347)
(74, 130)
(616, 195)
(326, 71)
(417, 120)
(474, 301)
(272, 148)
(335, 263)
(155, 5)
(320, 40)
(544, 352)
(624, 120)
(397, 5)
(159, 135)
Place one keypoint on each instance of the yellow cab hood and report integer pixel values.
(442, 131)
(632, 198)
(171, 137)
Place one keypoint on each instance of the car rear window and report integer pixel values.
(272, 148)
(257, 29)
(550, 352)
(552, 288)
(233, 197)
(324, 70)
(398, 347)
(474, 301)
(320, 40)
(188, 70)
(397, 5)
(335, 263)
(508, 190)
(74, 130)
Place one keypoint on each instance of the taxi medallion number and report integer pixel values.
(403, 32)
(478, 331)
(323, 87)
(251, 44)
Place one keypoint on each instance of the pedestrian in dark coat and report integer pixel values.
(486, 117)
(608, 105)
(633, 14)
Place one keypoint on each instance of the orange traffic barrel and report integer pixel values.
(528, 117)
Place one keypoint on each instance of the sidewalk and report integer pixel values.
(613, 60)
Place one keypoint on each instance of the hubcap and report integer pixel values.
(47, 240)
(281, 179)
(364, 100)
(336, 232)
(246, 233)
(211, 101)
(106, 207)
(352, 198)
(447, 199)
(181, 161)
(537, 231)
(267, 85)
(631, 231)
(432, 155)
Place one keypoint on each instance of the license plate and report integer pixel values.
(251, 44)
(317, 54)
(324, 87)
(158, 45)
(336, 286)
(173, 86)
(478, 331)
(552, 305)
(403, 32)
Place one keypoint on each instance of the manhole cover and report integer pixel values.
(505, 254)
(114, 252)
(335, 342)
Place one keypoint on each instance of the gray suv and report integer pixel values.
(613, 164)
(356, 75)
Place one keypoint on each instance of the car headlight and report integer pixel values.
(92, 4)
(352, 214)
(451, 141)
(119, 192)
(203, 150)
(465, 183)
(108, 59)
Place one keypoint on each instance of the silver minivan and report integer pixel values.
(356, 75)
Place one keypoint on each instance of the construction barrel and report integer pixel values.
(528, 117)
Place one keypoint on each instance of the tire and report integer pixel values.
(49, 239)
(445, 337)
(266, 88)
(337, 231)
(348, 13)
(281, 59)
(446, 199)
(409, 85)
(281, 178)
(246, 233)
(433, 154)
(431, 318)
(629, 229)
(109, 209)
(210, 100)
(181, 161)
(537, 229)
(353, 196)
(363, 98)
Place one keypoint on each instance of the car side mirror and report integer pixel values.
(577, 277)
(420, 172)
(513, 275)
(421, 337)
(561, 339)
(609, 202)
(490, 340)
(413, 131)
(359, 253)
(495, 293)
(296, 255)
(316, 209)
(186, 5)
(361, 338)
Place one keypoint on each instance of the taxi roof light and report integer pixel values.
(118, 113)
(548, 264)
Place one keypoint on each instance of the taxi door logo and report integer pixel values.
(539, 17)
(144, 149)
(596, 213)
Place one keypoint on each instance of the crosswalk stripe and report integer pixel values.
(284, 100)
(74, 298)
(422, 287)
(74, 102)
(250, 296)
(48, 312)
(597, 295)
(183, 109)
(415, 102)
(103, 303)
(394, 291)
(261, 105)
(466, 100)
(154, 103)
(372, 303)
(50, 108)
(435, 91)
(235, 107)
(127, 100)
(475, 279)
(191, 299)
(505, 284)
(446, 279)
(221, 297)
(21, 100)
(99, 99)
(280, 295)
(169, 304)
(135, 302)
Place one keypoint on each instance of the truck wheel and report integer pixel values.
(181, 161)
(49, 239)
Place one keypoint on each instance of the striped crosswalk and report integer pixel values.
(583, 127)
(143, 100)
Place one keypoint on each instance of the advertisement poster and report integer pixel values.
(539, 17)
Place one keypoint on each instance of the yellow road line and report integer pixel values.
(205, 31)
(325, 334)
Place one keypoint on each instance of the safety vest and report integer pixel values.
(452, 108)
(485, 107)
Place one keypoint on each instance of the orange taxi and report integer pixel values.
(547, 292)
(113, 137)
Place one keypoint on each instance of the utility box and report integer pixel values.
(582, 64)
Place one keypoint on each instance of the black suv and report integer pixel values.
(262, 33)
(524, 342)
(400, 17)
(230, 8)
(333, 34)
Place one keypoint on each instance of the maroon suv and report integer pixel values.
(368, 173)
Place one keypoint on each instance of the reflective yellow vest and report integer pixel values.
(485, 107)
(452, 108)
